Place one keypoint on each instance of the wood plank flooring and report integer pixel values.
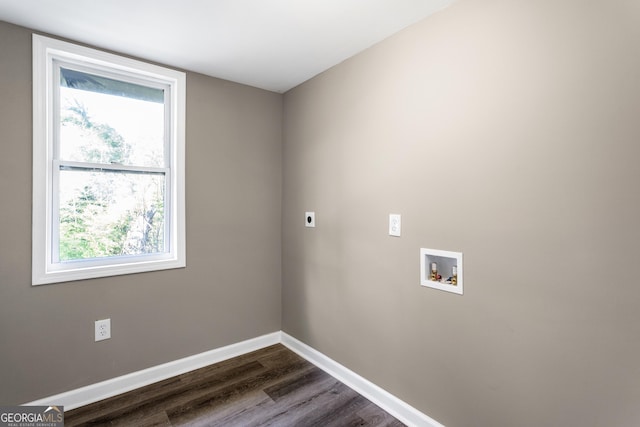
(269, 387)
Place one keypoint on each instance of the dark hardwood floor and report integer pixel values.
(268, 387)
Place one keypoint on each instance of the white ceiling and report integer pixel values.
(270, 44)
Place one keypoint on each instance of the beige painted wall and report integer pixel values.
(233, 221)
(505, 129)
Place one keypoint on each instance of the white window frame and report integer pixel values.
(45, 269)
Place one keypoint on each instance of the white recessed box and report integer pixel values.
(441, 270)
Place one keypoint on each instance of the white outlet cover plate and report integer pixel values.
(395, 225)
(309, 219)
(103, 329)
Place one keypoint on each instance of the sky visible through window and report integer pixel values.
(140, 123)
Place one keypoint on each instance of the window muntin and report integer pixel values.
(108, 164)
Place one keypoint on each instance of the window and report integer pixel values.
(108, 164)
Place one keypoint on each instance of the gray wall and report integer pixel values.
(505, 129)
(233, 181)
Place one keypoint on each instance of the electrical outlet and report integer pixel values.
(395, 225)
(310, 219)
(103, 329)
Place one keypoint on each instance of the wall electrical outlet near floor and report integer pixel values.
(103, 329)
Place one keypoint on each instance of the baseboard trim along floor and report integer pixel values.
(109, 388)
(112, 387)
(391, 404)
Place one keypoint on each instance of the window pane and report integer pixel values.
(110, 213)
(94, 83)
(108, 121)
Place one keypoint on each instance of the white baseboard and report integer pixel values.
(391, 404)
(109, 388)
